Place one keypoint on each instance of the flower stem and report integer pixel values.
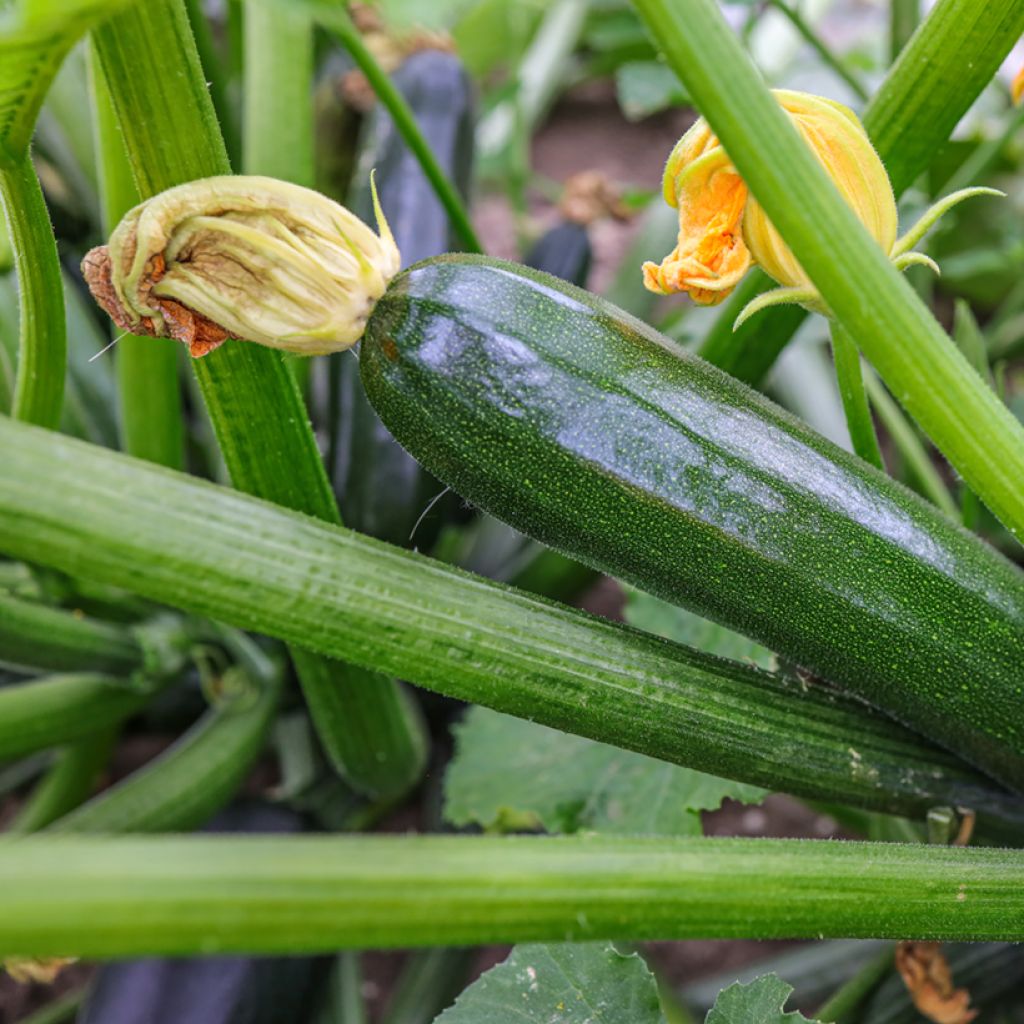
(904, 16)
(977, 433)
(147, 368)
(941, 71)
(858, 988)
(901, 432)
(42, 351)
(850, 378)
(828, 58)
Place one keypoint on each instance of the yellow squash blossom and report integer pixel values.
(723, 230)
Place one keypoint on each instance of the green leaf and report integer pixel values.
(513, 774)
(759, 1002)
(570, 984)
(646, 86)
(35, 37)
(653, 615)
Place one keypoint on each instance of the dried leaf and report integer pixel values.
(925, 972)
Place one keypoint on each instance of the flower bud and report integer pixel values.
(1017, 88)
(843, 148)
(244, 257)
(722, 230)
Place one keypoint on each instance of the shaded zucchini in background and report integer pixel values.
(382, 490)
(589, 431)
(195, 777)
(55, 710)
(564, 251)
(36, 636)
(209, 990)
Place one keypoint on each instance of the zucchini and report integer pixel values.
(587, 430)
(564, 251)
(381, 489)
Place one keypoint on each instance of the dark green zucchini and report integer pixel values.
(564, 251)
(381, 489)
(589, 431)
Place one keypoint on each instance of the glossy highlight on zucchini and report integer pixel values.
(586, 429)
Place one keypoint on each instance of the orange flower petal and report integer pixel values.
(711, 256)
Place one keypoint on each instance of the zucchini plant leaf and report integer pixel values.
(653, 615)
(644, 87)
(587, 983)
(511, 774)
(759, 1002)
(35, 37)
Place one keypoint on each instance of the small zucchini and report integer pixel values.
(587, 430)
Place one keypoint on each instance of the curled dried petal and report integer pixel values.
(243, 257)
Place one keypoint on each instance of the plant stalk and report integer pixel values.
(42, 348)
(147, 368)
(39, 637)
(103, 897)
(218, 553)
(855, 401)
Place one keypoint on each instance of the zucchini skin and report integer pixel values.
(584, 428)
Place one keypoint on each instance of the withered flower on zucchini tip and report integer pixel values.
(244, 257)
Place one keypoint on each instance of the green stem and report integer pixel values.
(62, 1009)
(858, 988)
(222, 554)
(828, 58)
(98, 897)
(429, 982)
(903, 435)
(49, 712)
(38, 637)
(278, 105)
(949, 61)
(147, 368)
(42, 352)
(336, 19)
(977, 433)
(939, 74)
(67, 783)
(855, 402)
(216, 76)
(183, 787)
(343, 1001)
(253, 400)
(904, 16)
(980, 161)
